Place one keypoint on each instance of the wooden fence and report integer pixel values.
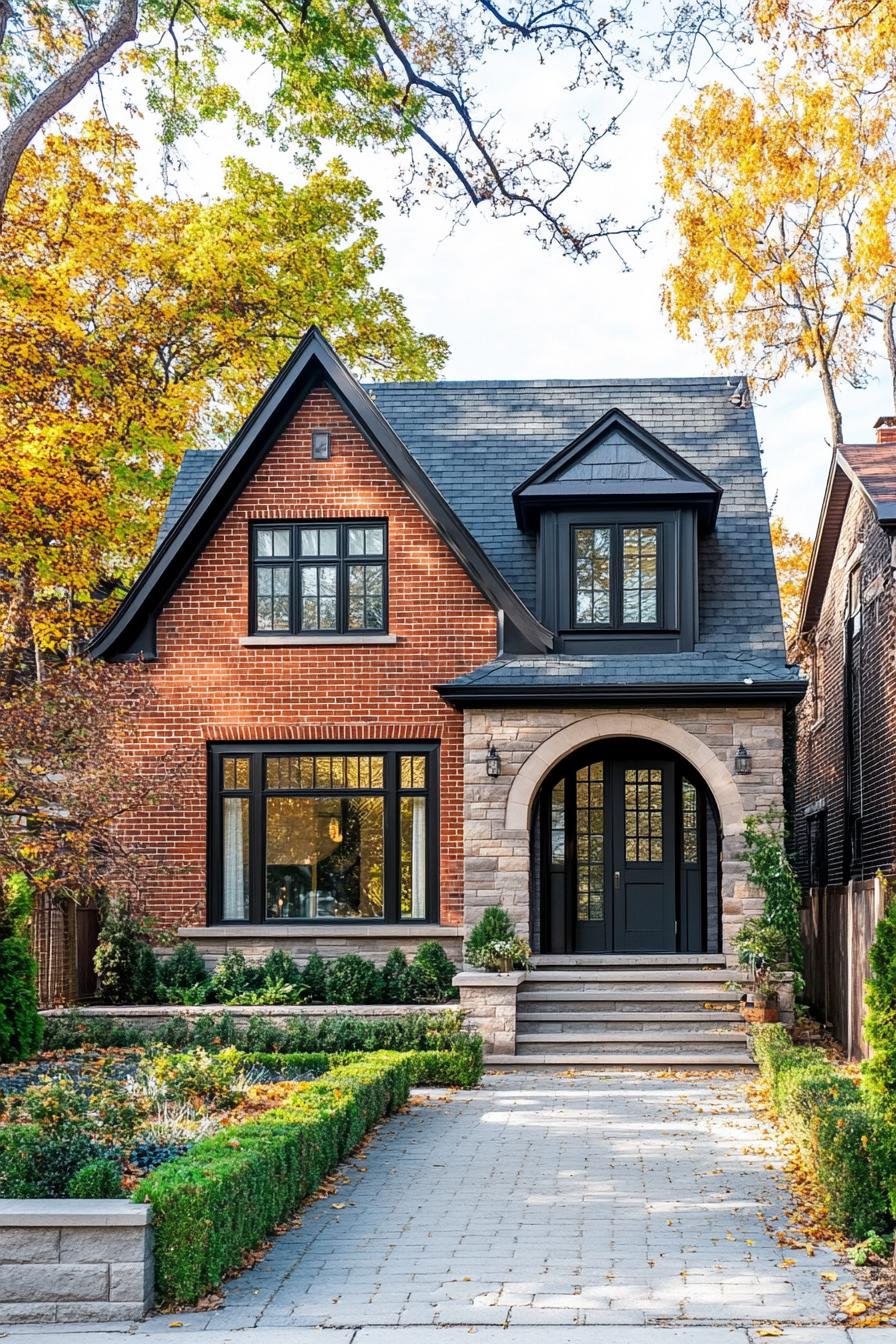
(63, 941)
(838, 926)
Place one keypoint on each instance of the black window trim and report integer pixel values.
(392, 793)
(342, 560)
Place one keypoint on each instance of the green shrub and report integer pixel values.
(175, 1032)
(37, 1165)
(194, 1076)
(214, 1032)
(73, 1030)
(220, 1199)
(395, 974)
(99, 1179)
(289, 1065)
(314, 978)
(234, 976)
(769, 868)
(352, 979)
(879, 1072)
(126, 966)
(184, 969)
(844, 1138)
(278, 967)
(495, 926)
(429, 976)
(21, 1026)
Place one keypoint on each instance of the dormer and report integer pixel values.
(617, 515)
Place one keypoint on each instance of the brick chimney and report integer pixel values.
(886, 429)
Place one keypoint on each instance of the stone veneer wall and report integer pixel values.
(498, 858)
(68, 1260)
(372, 941)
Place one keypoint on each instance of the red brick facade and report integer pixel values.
(210, 687)
(825, 718)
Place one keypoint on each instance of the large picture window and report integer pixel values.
(335, 833)
(319, 578)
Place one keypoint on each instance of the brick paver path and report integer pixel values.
(612, 1199)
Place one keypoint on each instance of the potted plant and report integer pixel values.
(762, 950)
(493, 945)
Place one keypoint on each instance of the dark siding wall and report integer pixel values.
(821, 746)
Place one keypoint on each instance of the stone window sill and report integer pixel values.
(341, 929)
(311, 641)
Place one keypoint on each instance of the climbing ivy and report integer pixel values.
(769, 868)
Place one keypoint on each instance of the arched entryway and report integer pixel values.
(626, 853)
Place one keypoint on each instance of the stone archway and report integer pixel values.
(715, 774)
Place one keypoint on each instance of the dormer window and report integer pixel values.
(616, 576)
(617, 514)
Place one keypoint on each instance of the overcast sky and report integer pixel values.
(510, 309)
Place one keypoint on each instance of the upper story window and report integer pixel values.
(616, 576)
(319, 578)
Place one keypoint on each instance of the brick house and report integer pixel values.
(434, 646)
(846, 736)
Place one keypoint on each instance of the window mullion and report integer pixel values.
(391, 839)
(616, 575)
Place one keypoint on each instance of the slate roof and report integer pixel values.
(477, 441)
(196, 465)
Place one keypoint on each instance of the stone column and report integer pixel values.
(488, 1002)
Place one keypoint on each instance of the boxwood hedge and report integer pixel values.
(228, 1192)
(845, 1138)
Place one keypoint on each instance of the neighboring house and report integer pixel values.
(846, 737)
(428, 647)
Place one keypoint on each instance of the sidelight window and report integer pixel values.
(331, 834)
(319, 578)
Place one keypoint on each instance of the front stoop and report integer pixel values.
(612, 1012)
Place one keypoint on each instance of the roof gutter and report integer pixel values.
(655, 693)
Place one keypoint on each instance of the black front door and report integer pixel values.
(611, 858)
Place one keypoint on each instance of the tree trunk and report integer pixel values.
(31, 120)
(890, 343)
(830, 401)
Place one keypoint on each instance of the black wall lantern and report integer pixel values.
(492, 762)
(743, 761)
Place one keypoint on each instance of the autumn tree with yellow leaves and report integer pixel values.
(769, 193)
(792, 555)
(132, 327)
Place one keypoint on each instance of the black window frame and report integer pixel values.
(342, 561)
(257, 792)
(676, 627)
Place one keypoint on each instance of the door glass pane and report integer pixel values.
(236, 858)
(591, 547)
(689, 826)
(639, 575)
(413, 857)
(643, 813)
(558, 823)
(324, 857)
(590, 842)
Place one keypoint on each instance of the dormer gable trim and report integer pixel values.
(676, 480)
(130, 633)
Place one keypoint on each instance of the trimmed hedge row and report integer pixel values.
(231, 1190)
(460, 1066)
(846, 1139)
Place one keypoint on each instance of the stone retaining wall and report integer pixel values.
(67, 1260)
(151, 1015)
(372, 941)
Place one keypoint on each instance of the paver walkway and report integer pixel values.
(611, 1199)
(641, 1207)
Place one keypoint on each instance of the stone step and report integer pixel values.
(659, 1060)
(640, 976)
(632, 1027)
(563, 1012)
(607, 995)
(696, 1042)
(618, 960)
